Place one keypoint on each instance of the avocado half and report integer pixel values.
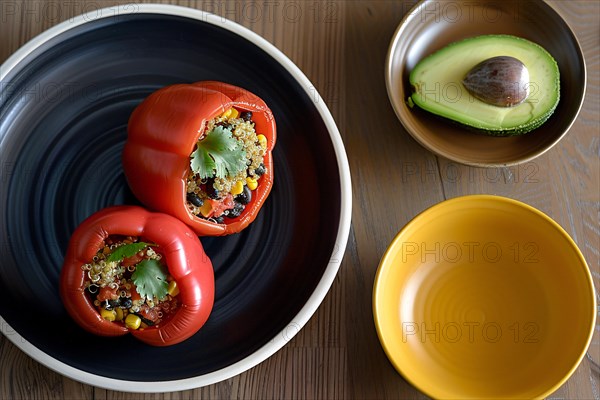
(437, 85)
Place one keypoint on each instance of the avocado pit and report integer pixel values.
(500, 81)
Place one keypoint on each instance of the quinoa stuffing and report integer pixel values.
(128, 282)
(225, 167)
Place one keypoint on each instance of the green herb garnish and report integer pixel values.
(127, 250)
(150, 279)
(218, 154)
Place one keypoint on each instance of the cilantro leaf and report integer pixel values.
(218, 154)
(126, 250)
(202, 163)
(150, 279)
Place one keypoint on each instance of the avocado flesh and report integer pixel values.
(438, 88)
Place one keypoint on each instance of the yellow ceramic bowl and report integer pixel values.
(484, 297)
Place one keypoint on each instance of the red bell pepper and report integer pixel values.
(183, 255)
(162, 133)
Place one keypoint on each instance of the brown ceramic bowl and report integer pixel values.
(433, 24)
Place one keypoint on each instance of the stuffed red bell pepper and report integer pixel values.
(128, 270)
(202, 152)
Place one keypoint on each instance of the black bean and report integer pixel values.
(245, 196)
(111, 304)
(93, 291)
(236, 211)
(210, 189)
(194, 199)
(126, 302)
(146, 320)
(246, 115)
(260, 170)
(219, 219)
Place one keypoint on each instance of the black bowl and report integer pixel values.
(65, 101)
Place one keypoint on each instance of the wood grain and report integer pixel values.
(341, 47)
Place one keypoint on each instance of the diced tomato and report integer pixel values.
(134, 294)
(221, 205)
(150, 314)
(133, 260)
(106, 293)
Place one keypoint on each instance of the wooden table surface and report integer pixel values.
(341, 47)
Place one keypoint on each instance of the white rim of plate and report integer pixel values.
(314, 301)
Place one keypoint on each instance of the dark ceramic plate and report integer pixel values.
(65, 101)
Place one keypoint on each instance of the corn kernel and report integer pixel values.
(237, 188)
(227, 113)
(234, 113)
(173, 289)
(133, 321)
(119, 314)
(252, 183)
(262, 140)
(109, 315)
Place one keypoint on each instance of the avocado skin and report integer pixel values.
(518, 129)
